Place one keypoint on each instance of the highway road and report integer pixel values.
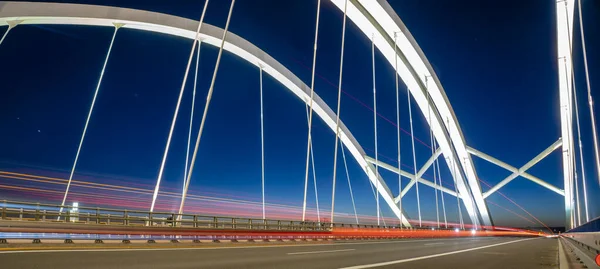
(494, 252)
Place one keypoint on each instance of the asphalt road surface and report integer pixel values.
(495, 252)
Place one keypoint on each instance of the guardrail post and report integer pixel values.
(68, 218)
(97, 215)
(215, 222)
(107, 219)
(265, 222)
(4, 210)
(195, 221)
(21, 214)
(125, 218)
(292, 225)
(37, 212)
(250, 223)
(233, 223)
(151, 218)
(44, 215)
(87, 221)
(278, 225)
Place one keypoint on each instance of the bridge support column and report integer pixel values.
(564, 30)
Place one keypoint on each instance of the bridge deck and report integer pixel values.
(424, 253)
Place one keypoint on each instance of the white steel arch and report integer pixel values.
(377, 18)
(24, 13)
(564, 36)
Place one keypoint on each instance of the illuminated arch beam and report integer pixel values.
(376, 17)
(76, 14)
(564, 37)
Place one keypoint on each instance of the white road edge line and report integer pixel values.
(432, 256)
(433, 244)
(318, 252)
(214, 248)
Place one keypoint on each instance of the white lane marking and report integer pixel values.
(318, 252)
(213, 248)
(433, 244)
(494, 253)
(432, 256)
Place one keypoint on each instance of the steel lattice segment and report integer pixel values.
(516, 172)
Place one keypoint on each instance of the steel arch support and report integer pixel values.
(564, 33)
(516, 172)
(76, 14)
(409, 176)
(376, 17)
(420, 172)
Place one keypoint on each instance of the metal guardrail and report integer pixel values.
(589, 241)
(12, 210)
(583, 247)
(584, 241)
(25, 211)
(587, 235)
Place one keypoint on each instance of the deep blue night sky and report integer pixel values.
(495, 59)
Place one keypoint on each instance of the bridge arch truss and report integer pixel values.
(373, 17)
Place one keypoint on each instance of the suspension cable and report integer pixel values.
(398, 129)
(187, 153)
(375, 125)
(437, 210)
(454, 175)
(590, 102)
(578, 206)
(167, 146)
(208, 99)
(89, 116)
(437, 164)
(314, 173)
(337, 121)
(312, 163)
(262, 143)
(349, 184)
(310, 111)
(475, 219)
(375, 196)
(585, 200)
(10, 26)
(5, 34)
(414, 156)
(572, 156)
(435, 176)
